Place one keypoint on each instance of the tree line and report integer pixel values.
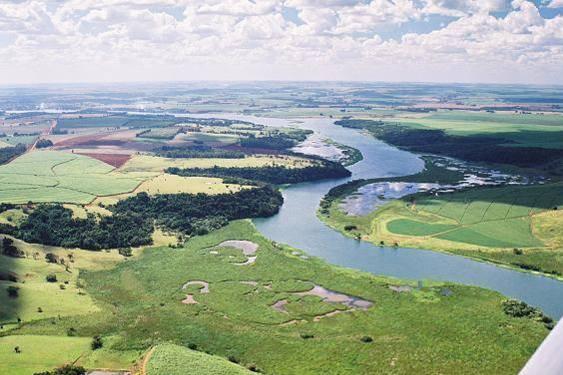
(270, 174)
(475, 148)
(8, 153)
(133, 219)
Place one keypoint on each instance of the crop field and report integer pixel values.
(147, 163)
(174, 184)
(545, 131)
(493, 217)
(51, 176)
(178, 360)
(92, 122)
(258, 315)
(163, 133)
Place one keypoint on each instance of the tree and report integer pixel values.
(51, 258)
(10, 250)
(13, 291)
(97, 342)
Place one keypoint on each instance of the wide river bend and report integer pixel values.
(297, 225)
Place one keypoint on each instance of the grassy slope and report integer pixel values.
(170, 359)
(416, 332)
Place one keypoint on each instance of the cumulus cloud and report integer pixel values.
(555, 4)
(332, 35)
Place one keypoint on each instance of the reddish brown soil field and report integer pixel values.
(116, 160)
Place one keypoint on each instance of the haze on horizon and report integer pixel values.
(490, 41)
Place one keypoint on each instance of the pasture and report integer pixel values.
(155, 164)
(242, 315)
(168, 359)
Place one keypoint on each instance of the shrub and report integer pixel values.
(97, 342)
(366, 339)
(65, 370)
(306, 336)
(51, 278)
(51, 258)
(71, 332)
(350, 227)
(125, 251)
(13, 291)
(517, 251)
(252, 367)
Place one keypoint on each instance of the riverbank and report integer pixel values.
(403, 220)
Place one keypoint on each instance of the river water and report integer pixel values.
(297, 225)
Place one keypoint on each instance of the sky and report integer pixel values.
(477, 41)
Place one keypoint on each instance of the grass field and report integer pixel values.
(147, 163)
(51, 176)
(491, 217)
(166, 184)
(92, 122)
(170, 359)
(487, 223)
(160, 133)
(39, 353)
(528, 130)
(15, 139)
(209, 138)
(141, 302)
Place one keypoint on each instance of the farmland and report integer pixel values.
(145, 246)
(48, 176)
(487, 223)
(147, 163)
(236, 318)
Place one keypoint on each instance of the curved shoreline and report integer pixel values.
(298, 226)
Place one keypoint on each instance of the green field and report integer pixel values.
(16, 139)
(39, 353)
(35, 292)
(485, 223)
(141, 302)
(160, 133)
(155, 164)
(92, 122)
(170, 359)
(492, 217)
(523, 130)
(52, 176)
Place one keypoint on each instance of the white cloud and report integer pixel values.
(555, 4)
(162, 36)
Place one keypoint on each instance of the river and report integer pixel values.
(297, 225)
